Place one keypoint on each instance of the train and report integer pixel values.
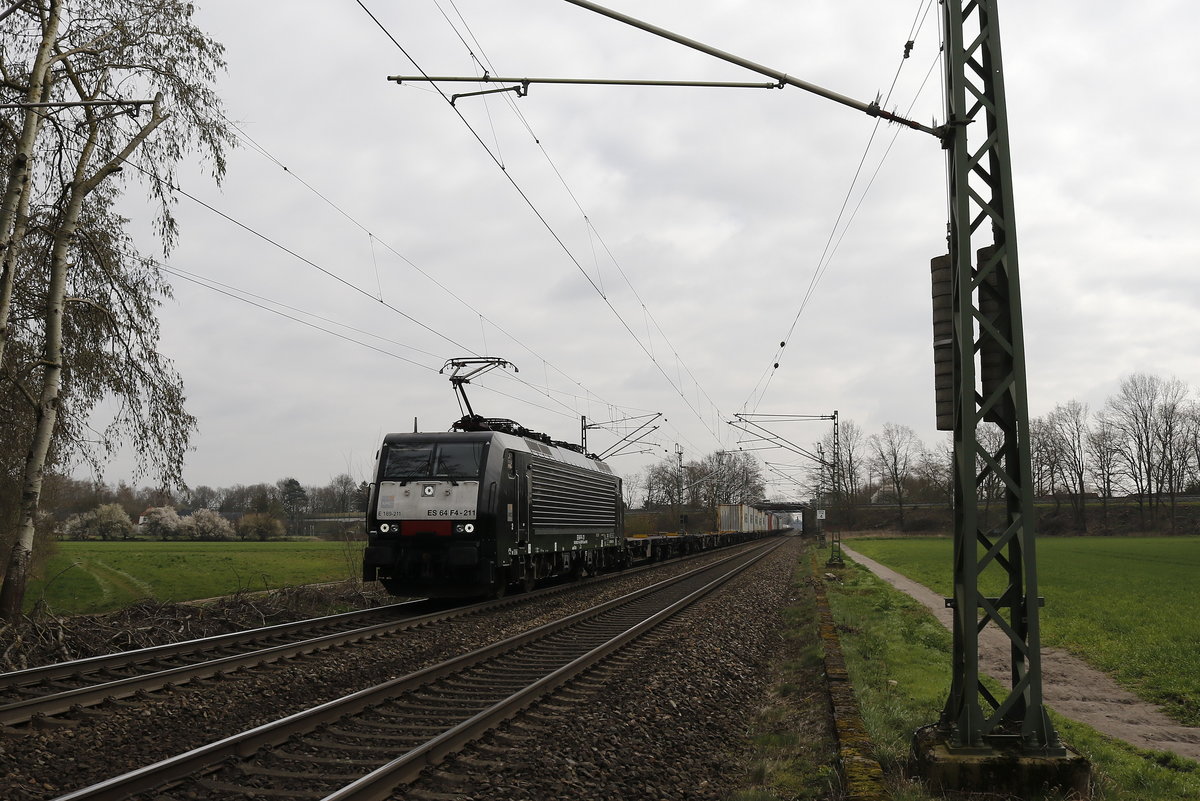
(490, 506)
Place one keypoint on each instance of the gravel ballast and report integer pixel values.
(668, 719)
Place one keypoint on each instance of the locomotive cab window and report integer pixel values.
(459, 460)
(412, 461)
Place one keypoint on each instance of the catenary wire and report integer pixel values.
(294, 254)
(833, 241)
(544, 221)
(486, 64)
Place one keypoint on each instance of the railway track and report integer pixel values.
(347, 749)
(39, 694)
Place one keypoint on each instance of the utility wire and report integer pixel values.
(540, 216)
(289, 251)
(834, 240)
(477, 54)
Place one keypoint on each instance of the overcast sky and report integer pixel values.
(658, 243)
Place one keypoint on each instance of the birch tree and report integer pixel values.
(77, 300)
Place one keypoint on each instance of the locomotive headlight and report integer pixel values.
(427, 490)
(384, 528)
(469, 527)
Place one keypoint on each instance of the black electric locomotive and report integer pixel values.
(489, 504)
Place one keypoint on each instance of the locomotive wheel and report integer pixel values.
(529, 582)
(500, 589)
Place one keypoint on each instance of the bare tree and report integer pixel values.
(1067, 429)
(1131, 414)
(1104, 460)
(631, 489)
(1171, 430)
(853, 446)
(663, 484)
(205, 497)
(895, 451)
(849, 457)
(1146, 416)
(1192, 438)
(87, 328)
(1043, 457)
(936, 469)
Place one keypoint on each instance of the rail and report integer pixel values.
(465, 696)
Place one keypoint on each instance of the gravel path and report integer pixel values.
(1069, 685)
(668, 724)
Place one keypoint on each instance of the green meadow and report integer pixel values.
(1128, 606)
(89, 577)
(898, 656)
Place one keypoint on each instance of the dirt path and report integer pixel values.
(1069, 686)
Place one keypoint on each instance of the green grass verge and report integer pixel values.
(1128, 606)
(90, 577)
(898, 656)
(791, 751)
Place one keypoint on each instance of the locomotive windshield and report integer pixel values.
(413, 461)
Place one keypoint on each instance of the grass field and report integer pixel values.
(88, 577)
(899, 660)
(1129, 606)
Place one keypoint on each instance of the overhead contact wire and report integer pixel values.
(537, 213)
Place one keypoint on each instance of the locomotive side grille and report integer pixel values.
(565, 496)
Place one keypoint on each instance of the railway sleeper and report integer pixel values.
(444, 776)
(251, 769)
(380, 725)
(481, 764)
(375, 737)
(405, 715)
(334, 745)
(500, 684)
(216, 786)
(438, 705)
(502, 741)
(417, 794)
(290, 756)
(577, 694)
(540, 714)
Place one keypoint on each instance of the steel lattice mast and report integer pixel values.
(988, 388)
(980, 366)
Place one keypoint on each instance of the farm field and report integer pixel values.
(90, 577)
(899, 658)
(1126, 605)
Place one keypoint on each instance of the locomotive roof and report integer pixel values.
(510, 441)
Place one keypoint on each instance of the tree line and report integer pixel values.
(720, 477)
(1142, 445)
(88, 510)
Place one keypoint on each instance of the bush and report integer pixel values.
(259, 527)
(161, 522)
(207, 525)
(107, 522)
